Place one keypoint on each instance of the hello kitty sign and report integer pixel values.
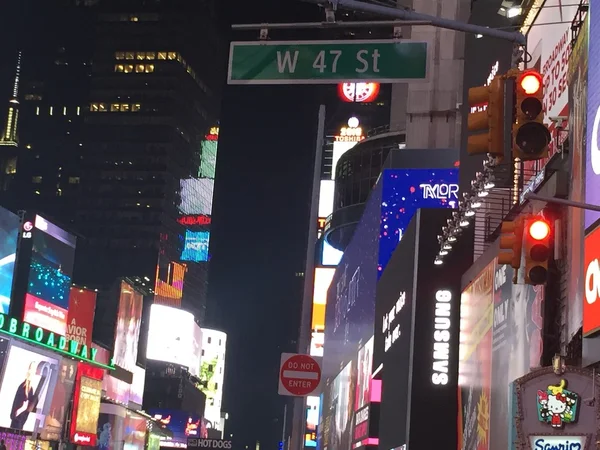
(557, 406)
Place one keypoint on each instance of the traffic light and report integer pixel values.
(511, 239)
(530, 136)
(538, 235)
(492, 119)
(280, 445)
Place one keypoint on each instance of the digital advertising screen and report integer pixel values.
(127, 330)
(196, 196)
(172, 337)
(27, 386)
(115, 389)
(417, 337)
(362, 398)
(350, 307)
(312, 420)
(61, 397)
(111, 427)
(80, 317)
(592, 153)
(135, 431)
(212, 373)
(136, 393)
(50, 272)
(9, 233)
(338, 410)
(168, 289)
(181, 424)
(330, 256)
(86, 405)
(405, 191)
(195, 247)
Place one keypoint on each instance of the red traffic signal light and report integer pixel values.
(537, 250)
(530, 136)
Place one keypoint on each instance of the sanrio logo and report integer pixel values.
(557, 406)
(557, 442)
(592, 282)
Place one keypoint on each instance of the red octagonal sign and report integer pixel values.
(299, 375)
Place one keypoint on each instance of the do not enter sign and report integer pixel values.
(299, 375)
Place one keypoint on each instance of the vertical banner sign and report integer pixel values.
(80, 318)
(591, 292)
(592, 157)
(86, 405)
(299, 375)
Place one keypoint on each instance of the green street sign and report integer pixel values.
(326, 62)
(44, 338)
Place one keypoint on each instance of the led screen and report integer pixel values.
(135, 431)
(111, 427)
(49, 283)
(136, 393)
(127, 330)
(212, 374)
(312, 420)
(405, 191)
(196, 196)
(9, 232)
(351, 295)
(362, 397)
(80, 317)
(339, 148)
(168, 288)
(208, 158)
(323, 277)
(27, 386)
(592, 156)
(338, 411)
(195, 247)
(330, 256)
(86, 405)
(116, 390)
(181, 424)
(172, 337)
(326, 197)
(61, 397)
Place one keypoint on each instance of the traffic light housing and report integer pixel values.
(511, 243)
(280, 445)
(529, 134)
(538, 237)
(492, 119)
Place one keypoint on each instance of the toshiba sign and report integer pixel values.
(591, 294)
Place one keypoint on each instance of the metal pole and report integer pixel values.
(439, 22)
(338, 24)
(284, 423)
(560, 201)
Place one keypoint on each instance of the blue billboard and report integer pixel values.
(9, 232)
(405, 191)
(195, 247)
(350, 312)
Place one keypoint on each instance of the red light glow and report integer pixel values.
(539, 230)
(531, 83)
(358, 92)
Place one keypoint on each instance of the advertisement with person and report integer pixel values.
(49, 283)
(578, 80)
(86, 405)
(127, 330)
(9, 233)
(27, 386)
(338, 411)
(61, 398)
(350, 309)
(517, 345)
(111, 427)
(135, 431)
(362, 396)
(475, 361)
(592, 154)
(80, 317)
(312, 420)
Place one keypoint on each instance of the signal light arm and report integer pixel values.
(560, 201)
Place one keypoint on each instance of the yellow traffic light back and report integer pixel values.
(538, 236)
(492, 119)
(511, 242)
(530, 136)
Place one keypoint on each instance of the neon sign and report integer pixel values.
(441, 337)
(441, 192)
(44, 338)
(213, 134)
(349, 134)
(358, 92)
(195, 219)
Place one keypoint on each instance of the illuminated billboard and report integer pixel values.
(358, 92)
(330, 256)
(49, 282)
(326, 192)
(61, 397)
(9, 232)
(212, 374)
(592, 89)
(168, 289)
(347, 138)
(127, 329)
(27, 387)
(196, 196)
(181, 425)
(86, 405)
(208, 158)
(312, 420)
(173, 337)
(80, 317)
(195, 247)
(323, 277)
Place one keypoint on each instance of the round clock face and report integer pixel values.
(358, 92)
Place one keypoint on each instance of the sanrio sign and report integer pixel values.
(557, 442)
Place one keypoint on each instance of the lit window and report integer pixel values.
(102, 107)
(128, 68)
(139, 68)
(94, 107)
(36, 179)
(119, 68)
(134, 19)
(140, 55)
(150, 56)
(129, 55)
(136, 107)
(149, 68)
(162, 55)
(115, 107)
(119, 55)
(124, 107)
(172, 55)
(179, 57)
(73, 180)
